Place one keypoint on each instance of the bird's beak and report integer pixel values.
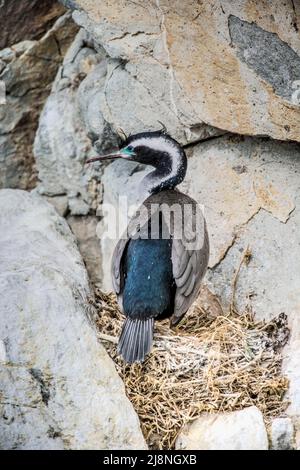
(110, 156)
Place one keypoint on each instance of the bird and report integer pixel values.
(159, 263)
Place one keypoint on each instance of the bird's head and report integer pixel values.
(158, 150)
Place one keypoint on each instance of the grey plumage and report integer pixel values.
(136, 339)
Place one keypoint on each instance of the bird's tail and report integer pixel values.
(136, 339)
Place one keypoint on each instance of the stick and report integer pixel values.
(111, 339)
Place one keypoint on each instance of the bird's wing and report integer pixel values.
(189, 262)
(136, 227)
(116, 267)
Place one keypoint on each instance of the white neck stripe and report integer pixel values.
(161, 145)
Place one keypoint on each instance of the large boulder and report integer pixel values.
(249, 189)
(58, 387)
(232, 65)
(85, 231)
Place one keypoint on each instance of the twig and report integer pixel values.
(111, 339)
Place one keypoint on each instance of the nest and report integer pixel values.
(205, 364)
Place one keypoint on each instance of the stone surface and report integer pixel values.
(59, 388)
(238, 430)
(88, 106)
(282, 434)
(85, 231)
(62, 143)
(60, 203)
(250, 198)
(28, 70)
(241, 72)
(250, 190)
(28, 19)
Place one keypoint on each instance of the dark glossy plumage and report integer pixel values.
(149, 285)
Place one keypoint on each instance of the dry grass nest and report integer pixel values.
(205, 364)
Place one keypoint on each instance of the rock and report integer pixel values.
(297, 440)
(29, 19)
(238, 430)
(60, 203)
(62, 144)
(28, 71)
(290, 366)
(89, 106)
(282, 434)
(241, 73)
(85, 231)
(250, 199)
(207, 302)
(59, 388)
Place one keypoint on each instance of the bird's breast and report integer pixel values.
(149, 283)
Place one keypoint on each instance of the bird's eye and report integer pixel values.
(129, 151)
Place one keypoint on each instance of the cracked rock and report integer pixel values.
(241, 71)
(28, 71)
(58, 387)
(29, 19)
(282, 434)
(68, 126)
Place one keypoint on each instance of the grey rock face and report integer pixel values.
(59, 388)
(85, 231)
(68, 126)
(223, 64)
(250, 190)
(271, 58)
(202, 70)
(29, 19)
(239, 430)
(282, 434)
(27, 70)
